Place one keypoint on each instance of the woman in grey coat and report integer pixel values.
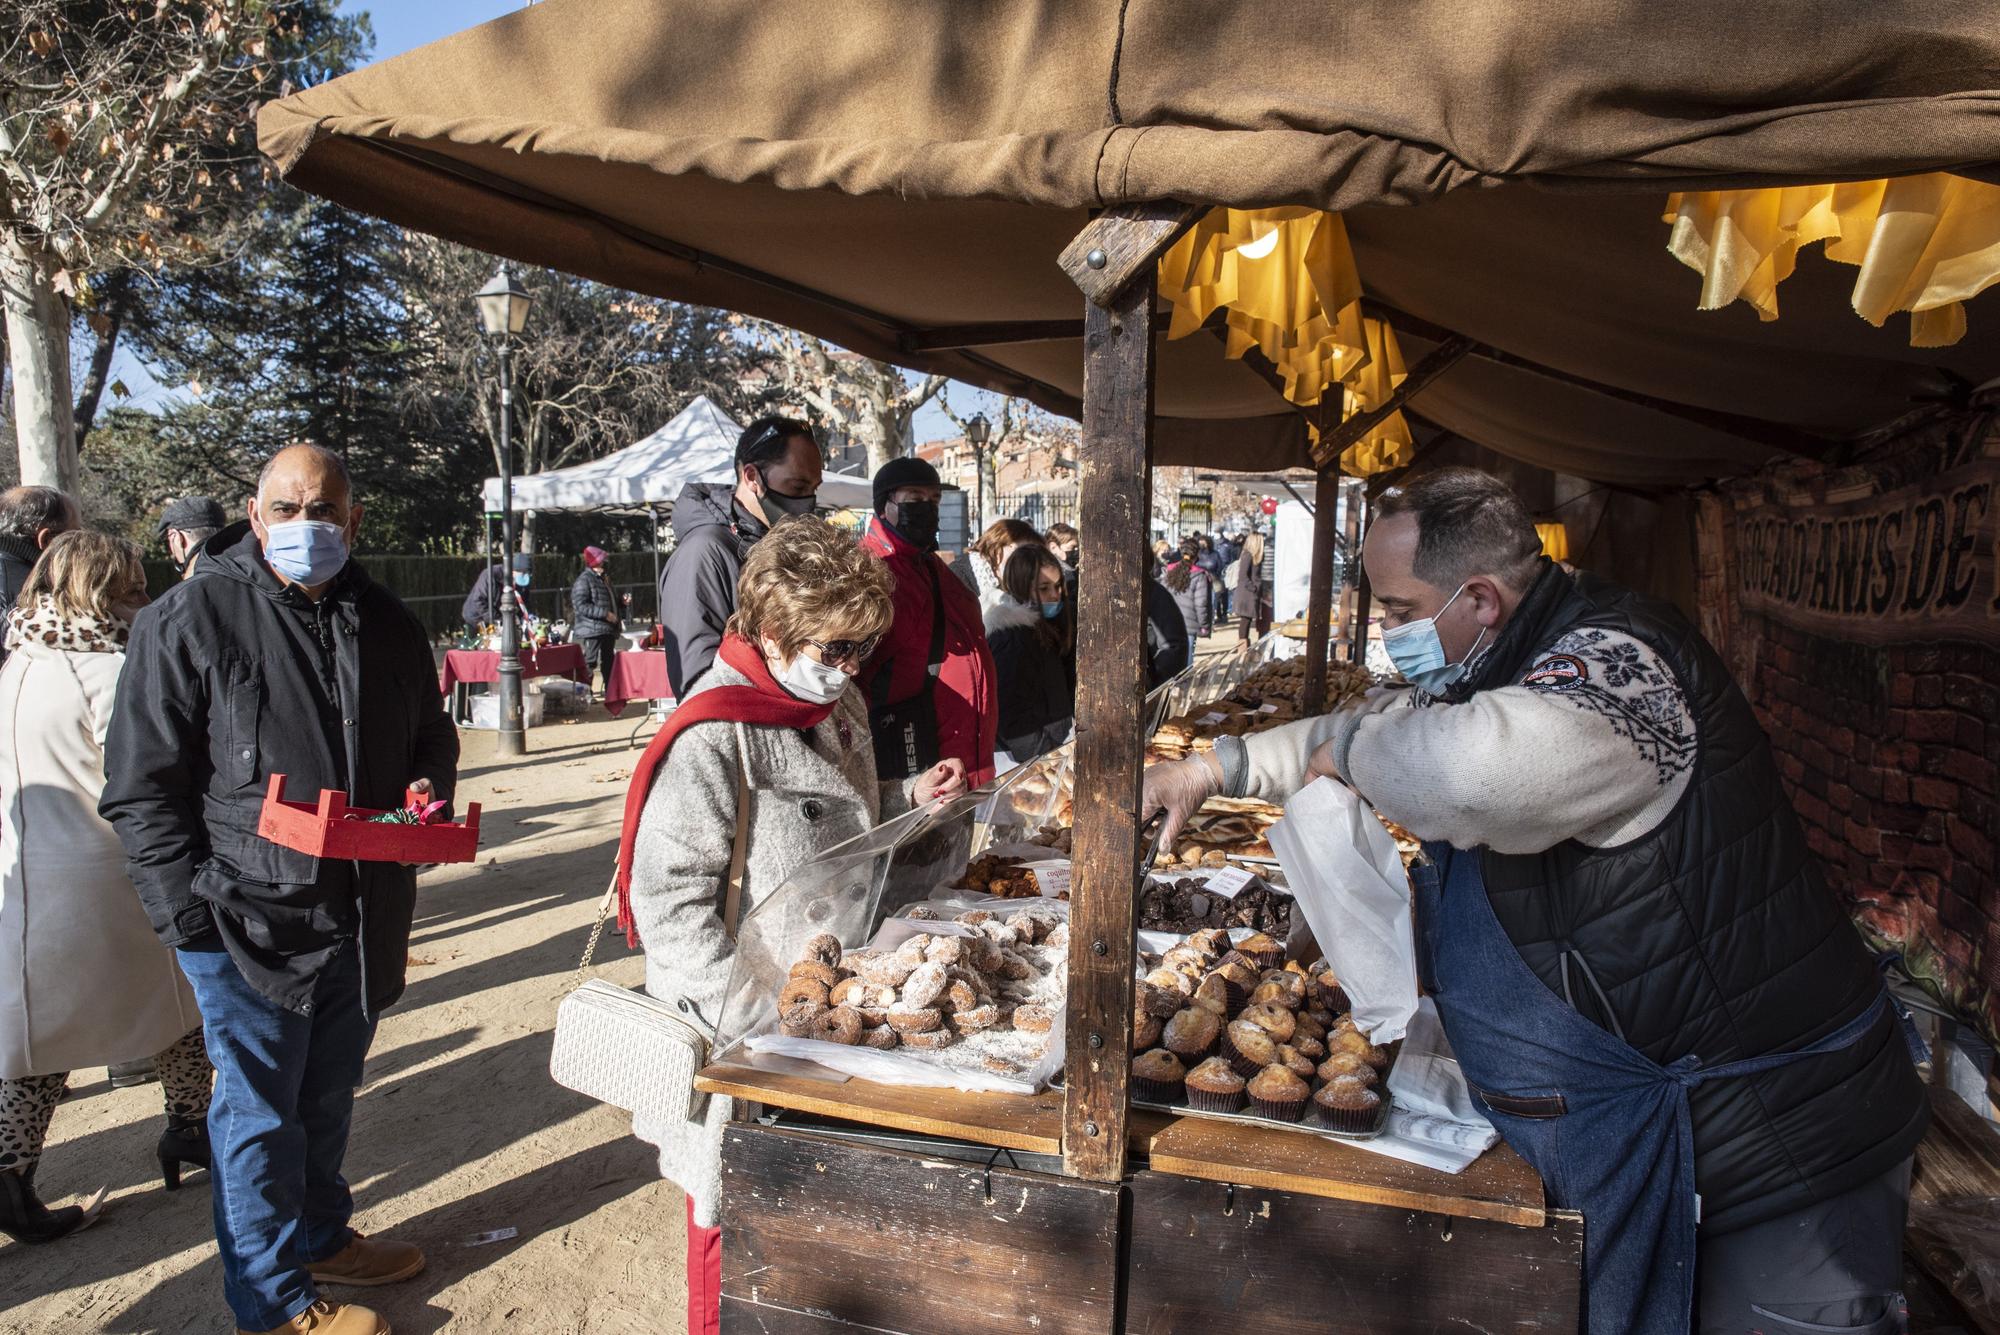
(779, 726)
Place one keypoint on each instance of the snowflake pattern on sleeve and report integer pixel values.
(1617, 677)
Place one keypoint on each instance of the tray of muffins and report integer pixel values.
(1231, 1030)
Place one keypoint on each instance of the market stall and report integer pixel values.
(937, 188)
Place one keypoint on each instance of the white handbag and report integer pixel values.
(624, 1047)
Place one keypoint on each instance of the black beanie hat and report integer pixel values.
(905, 472)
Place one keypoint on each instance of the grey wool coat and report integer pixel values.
(805, 796)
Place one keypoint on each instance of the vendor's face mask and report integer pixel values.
(1418, 652)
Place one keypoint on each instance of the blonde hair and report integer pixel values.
(82, 572)
(805, 579)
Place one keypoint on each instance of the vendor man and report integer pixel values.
(1623, 930)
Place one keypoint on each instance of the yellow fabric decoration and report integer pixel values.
(1287, 280)
(1924, 244)
(1555, 540)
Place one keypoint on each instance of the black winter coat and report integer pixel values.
(1166, 635)
(230, 678)
(698, 587)
(17, 558)
(1037, 683)
(1713, 936)
(593, 607)
(484, 603)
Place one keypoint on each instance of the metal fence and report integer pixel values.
(1038, 510)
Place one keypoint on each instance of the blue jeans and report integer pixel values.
(284, 1101)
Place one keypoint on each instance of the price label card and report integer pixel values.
(1267, 709)
(1210, 720)
(1053, 881)
(1228, 882)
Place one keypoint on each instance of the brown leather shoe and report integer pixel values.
(324, 1318)
(368, 1261)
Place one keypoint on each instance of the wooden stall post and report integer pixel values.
(1113, 261)
(1319, 604)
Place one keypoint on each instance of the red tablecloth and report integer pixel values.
(553, 660)
(637, 674)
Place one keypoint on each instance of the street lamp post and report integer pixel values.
(503, 310)
(977, 432)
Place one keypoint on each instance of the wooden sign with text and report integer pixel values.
(1917, 563)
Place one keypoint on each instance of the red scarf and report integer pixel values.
(763, 703)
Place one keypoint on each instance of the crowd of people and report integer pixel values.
(823, 685)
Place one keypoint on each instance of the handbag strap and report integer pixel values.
(732, 903)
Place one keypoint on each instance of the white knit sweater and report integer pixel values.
(1595, 743)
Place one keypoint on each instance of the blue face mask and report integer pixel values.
(306, 551)
(521, 580)
(1050, 611)
(1418, 653)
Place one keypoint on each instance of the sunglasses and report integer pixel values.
(845, 651)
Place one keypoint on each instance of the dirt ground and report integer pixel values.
(458, 1129)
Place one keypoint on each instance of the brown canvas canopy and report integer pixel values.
(877, 171)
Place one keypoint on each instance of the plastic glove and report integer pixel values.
(941, 782)
(1179, 787)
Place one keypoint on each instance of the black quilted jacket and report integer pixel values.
(1713, 935)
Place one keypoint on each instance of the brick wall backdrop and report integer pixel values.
(1888, 750)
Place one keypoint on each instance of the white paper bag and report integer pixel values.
(1426, 1078)
(1344, 870)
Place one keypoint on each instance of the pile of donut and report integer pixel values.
(929, 991)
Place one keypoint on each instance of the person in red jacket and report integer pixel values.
(932, 692)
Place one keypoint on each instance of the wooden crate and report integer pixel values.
(1207, 1256)
(824, 1235)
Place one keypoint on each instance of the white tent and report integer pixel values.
(698, 445)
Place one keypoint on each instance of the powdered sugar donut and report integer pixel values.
(849, 992)
(1034, 1019)
(929, 1040)
(924, 986)
(906, 1019)
(945, 949)
(881, 1037)
(818, 972)
(802, 990)
(975, 1018)
(840, 1025)
(825, 948)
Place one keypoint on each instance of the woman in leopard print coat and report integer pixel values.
(83, 980)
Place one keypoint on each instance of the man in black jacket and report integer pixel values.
(30, 517)
(1653, 993)
(282, 658)
(778, 468)
(490, 591)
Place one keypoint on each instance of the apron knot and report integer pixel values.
(1686, 1071)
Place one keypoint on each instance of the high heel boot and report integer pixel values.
(183, 1143)
(24, 1218)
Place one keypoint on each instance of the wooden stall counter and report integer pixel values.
(1500, 1186)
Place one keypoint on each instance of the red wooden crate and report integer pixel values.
(326, 832)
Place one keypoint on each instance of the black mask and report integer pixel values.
(917, 521)
(1069, 558)
(779, 506)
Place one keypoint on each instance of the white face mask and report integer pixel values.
(812, 681)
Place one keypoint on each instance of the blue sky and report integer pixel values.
(402, 25)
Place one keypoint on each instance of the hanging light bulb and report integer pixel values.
(1262, 246)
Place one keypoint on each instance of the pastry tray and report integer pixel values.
(1311, 1126)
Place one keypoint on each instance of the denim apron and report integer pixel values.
(1607, 1128)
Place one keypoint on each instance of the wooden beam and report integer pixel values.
(1336, 439)
(1757, 430)
(1114, 484)
(1119, 245)
(993, 335)
(1364, 596)
(1319, 601)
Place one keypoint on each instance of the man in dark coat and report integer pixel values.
(186, 525)
(778, 468)
(30, 517)
(486, 601)
(283, 657)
